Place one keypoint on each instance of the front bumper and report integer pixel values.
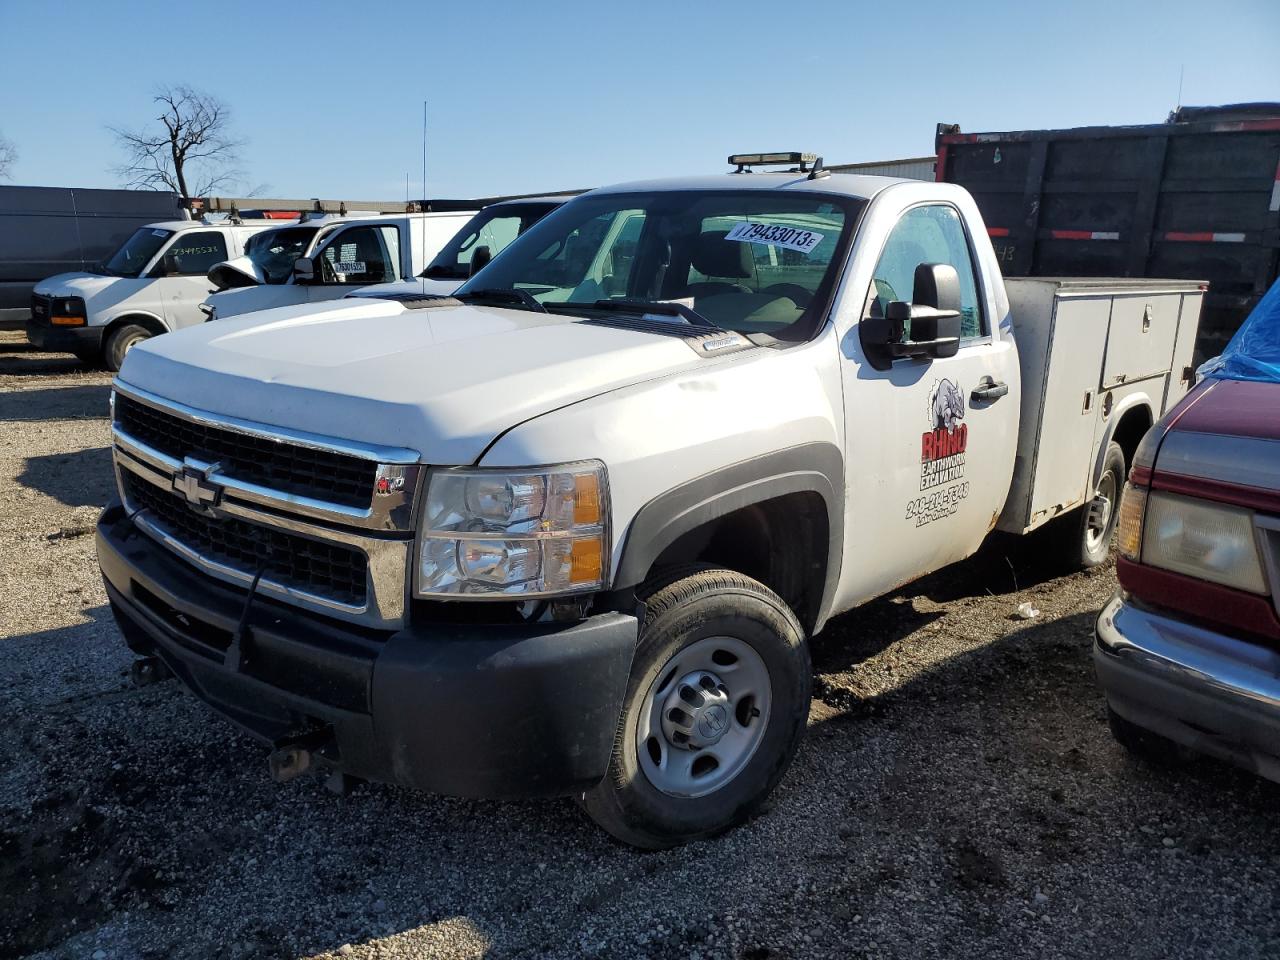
(1205, 690)
(63, 339)
(475, 711)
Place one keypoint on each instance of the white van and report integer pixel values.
(153, 284)
(343, 254)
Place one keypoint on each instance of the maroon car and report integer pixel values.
(1188, 651)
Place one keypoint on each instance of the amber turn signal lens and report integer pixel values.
(1133, 504)
(586, 561)
(67, 321)
(586, 499)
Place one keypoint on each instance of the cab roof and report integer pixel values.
(852, 185)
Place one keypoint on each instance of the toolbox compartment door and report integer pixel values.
(1141, 339)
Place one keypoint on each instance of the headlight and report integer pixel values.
(67, 312)
(1211, 541)
(542, 531)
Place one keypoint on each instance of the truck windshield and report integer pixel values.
(752, 261)
(273, 251)
(494, 227)
(136, 252)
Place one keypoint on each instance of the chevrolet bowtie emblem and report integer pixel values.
(193, 483)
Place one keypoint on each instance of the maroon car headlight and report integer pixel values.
(1210, 541)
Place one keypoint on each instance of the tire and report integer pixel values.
(1141, 742)
(119, 341)
(1086, 536)
(729, 644)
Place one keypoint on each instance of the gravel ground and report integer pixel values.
(958, 794)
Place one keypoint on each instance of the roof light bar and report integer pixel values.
(744, 160)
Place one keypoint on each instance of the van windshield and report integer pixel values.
(273, 251)
(136, 252)
(753, 261)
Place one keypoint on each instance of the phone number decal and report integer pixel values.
(936, 505)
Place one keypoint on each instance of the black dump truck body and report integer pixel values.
(49, 230)
(1196, 198)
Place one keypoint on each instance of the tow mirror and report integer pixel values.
(304, 270)
(480, 259)
(928, 326)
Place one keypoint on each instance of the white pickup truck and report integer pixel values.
(568, 531)
(328, 258)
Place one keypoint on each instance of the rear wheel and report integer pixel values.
(120, 341)
(714, 710)
(1086, 533)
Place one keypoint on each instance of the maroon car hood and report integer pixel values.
(1225, 445)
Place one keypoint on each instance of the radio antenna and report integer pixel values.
(423, 209)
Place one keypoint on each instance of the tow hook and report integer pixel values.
(148, 670)
(292, 756)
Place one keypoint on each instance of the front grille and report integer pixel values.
(40, 308)
(286, 467)
(328, 570)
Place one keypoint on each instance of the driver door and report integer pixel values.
(183, 275)
(355, 257)
(929, 461)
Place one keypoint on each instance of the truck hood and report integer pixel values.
(236, 272)
(444, 381)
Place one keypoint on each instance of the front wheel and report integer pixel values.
(714, 711)
(120, 341)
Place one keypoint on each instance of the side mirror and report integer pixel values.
(304, 270)
(480, 259)
(932, 319)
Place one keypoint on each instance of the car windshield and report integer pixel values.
(494, 227)
(136, 252)
(752, 261)
(273, 251)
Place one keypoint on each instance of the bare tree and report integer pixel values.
(8, 157)
(193, 154)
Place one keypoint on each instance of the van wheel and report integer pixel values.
(1086, 532)
(1141, 742)
(120, 341)
(714, 711)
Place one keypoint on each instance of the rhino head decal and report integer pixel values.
(946, 404)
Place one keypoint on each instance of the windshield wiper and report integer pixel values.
(520, 299)
(627, 305)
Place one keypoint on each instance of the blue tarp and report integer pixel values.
(1254, 352)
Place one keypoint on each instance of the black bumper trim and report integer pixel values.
(63, 339)
(476, 711)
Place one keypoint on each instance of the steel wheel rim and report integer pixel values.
(1101, 511)
(708, 758)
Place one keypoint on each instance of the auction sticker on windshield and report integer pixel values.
(774, 235)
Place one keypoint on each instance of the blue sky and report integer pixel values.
(539, 96)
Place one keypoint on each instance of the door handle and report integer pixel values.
(988, 390)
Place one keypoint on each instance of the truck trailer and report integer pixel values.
(1195, 198)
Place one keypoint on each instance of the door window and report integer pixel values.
(928, 234)
(362, 255)
(496, 235)
(193, 254)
